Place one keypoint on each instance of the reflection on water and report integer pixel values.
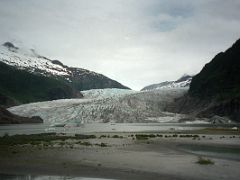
(34, 177)
(104, 127)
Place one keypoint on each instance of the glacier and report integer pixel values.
(106, 105)
(183, 81)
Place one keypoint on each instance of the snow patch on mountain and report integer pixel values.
(184, 81)
(30, 60)
(106, 106)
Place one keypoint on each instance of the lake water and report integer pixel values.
(229, 152)
(105, 127)
(34, 177)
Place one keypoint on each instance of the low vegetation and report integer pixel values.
(36, 139)
(147, 136)
(205, 161)
(84, 143)
(117, 136)
(188, 136)
(144, 136)
(82, 136)
(101, 144)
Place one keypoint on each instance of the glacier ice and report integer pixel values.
(106, 105)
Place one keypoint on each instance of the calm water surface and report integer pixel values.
(34, 177)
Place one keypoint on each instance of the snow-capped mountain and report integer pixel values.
(106, 105)
(20, 86)
(184, 81)
(31, 61)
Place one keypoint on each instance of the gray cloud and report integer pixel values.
(137, 42)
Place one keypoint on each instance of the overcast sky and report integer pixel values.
(136, 42)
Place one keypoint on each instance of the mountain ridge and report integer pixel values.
(27, 77)
(215, 90)
(31, 61)
(183, 81)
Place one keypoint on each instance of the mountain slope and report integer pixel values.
(79, 78)
(19, 86)
(184, 81)
(220, 78)
(216, 89)
(83, 79)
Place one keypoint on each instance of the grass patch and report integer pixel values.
(219, 131)
(82, 136)
(61, 143)
(145, 136)
(175, 136)
(85, 143)
(141, 138)
(102, 144)
(189, 136)
(37, 139)
(102, 136)
(14, 152)
(204, 161)
(35, 143)
(117, 136)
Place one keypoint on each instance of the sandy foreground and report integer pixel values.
(129, 158)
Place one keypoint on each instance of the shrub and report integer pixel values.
(82, 136)
(204, 161)
(86, 143)
(103, 136)
(117, 136)
(175, 135)
(103, 145)
(141, 137)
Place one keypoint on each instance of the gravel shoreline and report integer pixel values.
(126, 158)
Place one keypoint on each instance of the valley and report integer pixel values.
(119, 90)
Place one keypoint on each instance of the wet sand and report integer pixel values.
(127, 158)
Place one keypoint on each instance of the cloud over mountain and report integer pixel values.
(136, 42)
